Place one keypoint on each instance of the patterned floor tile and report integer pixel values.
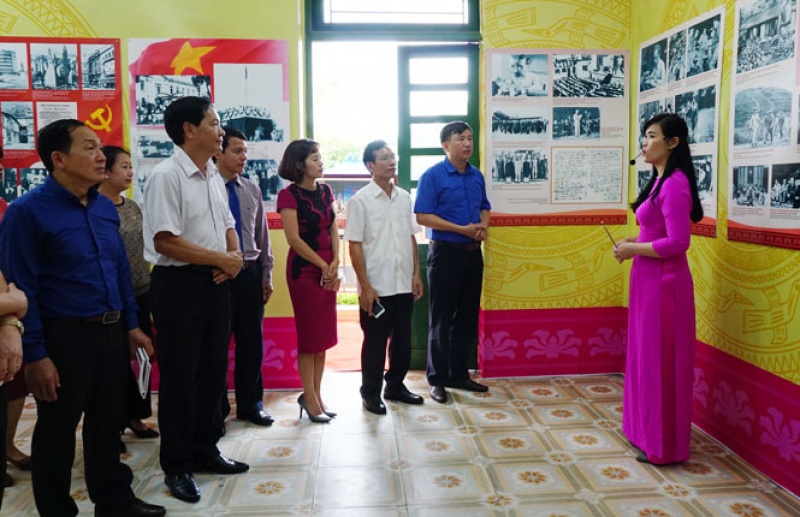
(616, 474)
(745, 504)
(636, 506)
(433, 448)
(510, 443)
(276, 490)
(490, 417)
(586, 440)
(562, 415)
(462, 510)
(265, 454)
(530, 479)
(427, 418)
(446, 483)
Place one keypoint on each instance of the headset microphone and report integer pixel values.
(633, 160)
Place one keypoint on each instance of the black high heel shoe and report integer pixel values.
(319, 419)
(330, 413)
(147, 432)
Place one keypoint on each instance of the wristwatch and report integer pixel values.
(13, 322)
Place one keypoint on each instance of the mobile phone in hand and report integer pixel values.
(377, 310)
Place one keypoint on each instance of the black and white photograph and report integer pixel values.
(677, 57)
(18, 130)
(264, 173)
(766, 33)
(654, 68)
(647, 111)
(519, 75)
(762, 118)
(154, 145)
(750, 185)
(704, 41)
(511, 124)
(31, 178)
(54, 66)
(785, 191)
(249, 98)
(155, 92)
(642, 177)
(13, 66)
(9, 184)
(698, 109)
(519, 166)
(704, 172)
(576, 123)
(589, 75)
(98, 67)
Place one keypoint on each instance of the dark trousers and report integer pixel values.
(454, 296)
(192, 318)
(247, 318)
(395, 327)
(92, 362)
(138, 407)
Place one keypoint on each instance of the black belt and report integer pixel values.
(249, 263)
(107, 318)
(461, 246)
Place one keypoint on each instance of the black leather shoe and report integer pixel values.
(374, 405)
(221, 465)
(439, 394)
(183, 487)
(403, 396)
(260, 417)
(138, 508)
(469, 385)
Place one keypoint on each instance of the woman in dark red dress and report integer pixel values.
(311, 269)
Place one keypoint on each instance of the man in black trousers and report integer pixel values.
(60, 244)
(451, 202)
(190, 238)
(252, 288)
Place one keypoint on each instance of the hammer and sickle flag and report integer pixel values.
(103, 122)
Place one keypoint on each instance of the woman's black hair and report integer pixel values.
(679, 159)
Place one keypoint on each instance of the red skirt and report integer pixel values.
(314, 309)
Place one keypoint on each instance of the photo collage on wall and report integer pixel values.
(764, 194)
(558, 140)
(247, 82)
(46, 79)
(680, 72)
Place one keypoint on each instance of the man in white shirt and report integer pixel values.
(190, 238)
(380, 229)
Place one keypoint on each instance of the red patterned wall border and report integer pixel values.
(572, 219)
(751, 411)
(789, 238)
(526, 342)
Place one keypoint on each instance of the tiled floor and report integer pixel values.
(542, 446)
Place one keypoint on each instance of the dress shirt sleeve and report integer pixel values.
(426, 202)
(355, 220)
(676, 207)
(261, 234)
(414, 227)
(162, 203)
(21, 263)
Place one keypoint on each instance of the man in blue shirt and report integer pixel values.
(452, 204)
(60, 244)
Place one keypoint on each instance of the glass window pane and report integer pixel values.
(438, 70)
(420, 164)
(452, 12)
(426, 135)
(447, 102)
